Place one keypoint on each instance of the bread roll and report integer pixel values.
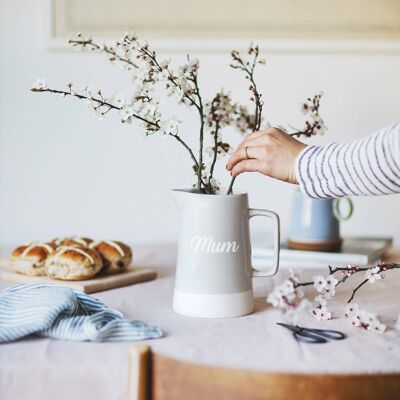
(117, 256)
(73, 263)
(30, 259)
(72, 241)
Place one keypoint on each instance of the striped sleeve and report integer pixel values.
(366, 167)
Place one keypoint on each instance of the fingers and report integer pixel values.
(250, 165)
(267, 137)
(254, 135)
(243, 153)
(266, 132)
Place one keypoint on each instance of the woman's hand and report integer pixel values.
(271, 152)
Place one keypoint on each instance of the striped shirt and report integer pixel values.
(366, 167)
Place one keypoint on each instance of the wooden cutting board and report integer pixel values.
(97, 284)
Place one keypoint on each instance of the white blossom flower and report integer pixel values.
(321, 127)
(99, 114)
(352, 309)
(214, 184)
(321, 313)
(373, 274)
(170, 127)
(320, 299)
(209, 151)
(165, 63)
(148, 110)
(285, 296)
(94, 103)
(127, 113)
(364, 319)
(119, 100)
(293, 314)
(355, 320)
(194, 64)
(86, 91)
(282, 296)
(330, 287)
(163, 75)
(370, 322)
(319, 283)
(40, 84)
(287, 287)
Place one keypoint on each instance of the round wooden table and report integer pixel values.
(51, 369)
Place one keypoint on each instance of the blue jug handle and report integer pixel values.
(336, 209)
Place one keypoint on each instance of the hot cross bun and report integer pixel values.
(73, 263)
(117, 256)
(30, 259)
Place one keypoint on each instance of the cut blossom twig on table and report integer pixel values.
(289, 295)
(363, 319)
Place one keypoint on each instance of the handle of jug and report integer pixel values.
(336, 209)
(275, 219)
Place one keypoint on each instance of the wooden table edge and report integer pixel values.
(156, 377)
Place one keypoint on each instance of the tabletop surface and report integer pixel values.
(99, 370)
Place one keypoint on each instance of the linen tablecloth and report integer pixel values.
(38, 368)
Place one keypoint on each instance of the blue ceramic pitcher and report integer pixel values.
(315, 223)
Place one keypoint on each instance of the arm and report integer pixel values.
(370, 166)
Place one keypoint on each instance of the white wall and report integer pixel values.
(63, 172)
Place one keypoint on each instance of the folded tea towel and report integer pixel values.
(58, 312)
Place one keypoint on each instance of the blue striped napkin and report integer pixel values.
(59, 312)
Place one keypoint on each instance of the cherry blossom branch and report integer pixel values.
(355, 290)
(192, 156)
(216, 129)
(144, 105)
(288, 296)
(102, 102)
(82, 42)
(202, 122)
(373, 273)
(147, 53)
(315, 125)
(170, 77)
(248, 68)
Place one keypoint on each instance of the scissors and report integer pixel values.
(309, 335)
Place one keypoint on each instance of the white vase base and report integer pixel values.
(213, 305)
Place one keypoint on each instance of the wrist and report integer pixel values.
(293, 176)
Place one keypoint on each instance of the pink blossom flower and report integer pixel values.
(319, 283)
(373, 274)
(321, 313)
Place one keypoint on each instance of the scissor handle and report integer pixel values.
(328, 333)
(308, 337)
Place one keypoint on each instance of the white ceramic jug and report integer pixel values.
(214, 271)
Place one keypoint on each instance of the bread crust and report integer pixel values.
(73, 263)
(30, 259)
(117, 256)
(73, 241)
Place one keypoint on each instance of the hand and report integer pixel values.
(271, 152)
